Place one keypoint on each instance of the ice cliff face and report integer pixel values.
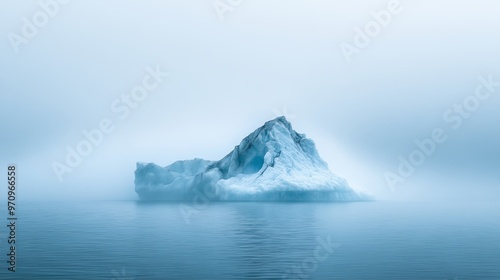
(274, 163)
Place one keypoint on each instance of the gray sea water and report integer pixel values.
(125, 240)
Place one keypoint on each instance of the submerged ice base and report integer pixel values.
(274, 163)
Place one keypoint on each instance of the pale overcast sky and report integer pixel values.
(227, 77)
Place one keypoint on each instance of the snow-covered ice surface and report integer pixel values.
(274, 163)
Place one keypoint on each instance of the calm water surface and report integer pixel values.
(125, 240)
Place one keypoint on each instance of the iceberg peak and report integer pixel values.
(279, 121)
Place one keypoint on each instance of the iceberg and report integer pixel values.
(273, 163)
